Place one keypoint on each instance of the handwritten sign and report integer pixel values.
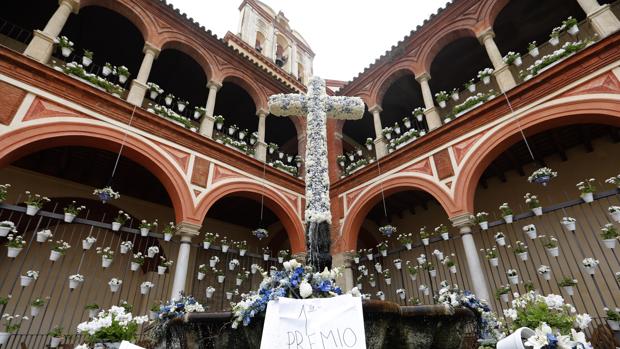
(127, 345)
(322, 323)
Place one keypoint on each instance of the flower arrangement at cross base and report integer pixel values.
(111, 326)
(106, 194)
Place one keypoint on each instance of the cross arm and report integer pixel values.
(288, 105)
(344, 108)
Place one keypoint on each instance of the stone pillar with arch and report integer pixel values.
(603, 20)
(42, 44)
(138, 85)
(186, 231)
(432, 116)
(208, 121)
(502, 73)
(380, 142)
(261, 146)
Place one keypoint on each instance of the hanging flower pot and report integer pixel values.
(122, 78)
(134, 266)
(554, 40)
(55, 342)
(573, 30)
(116, 226)
(569, 290)
(144, 231)
(161, 270)
(86, 61)
(201, 275)
(486, 80)
(534, 52)
(614, 325)
(516, 339)
(25, 281)
(398, 265)
(494, 261)
(206, 245)
(153, 94)
(220, 279)
(356, 259)
(419, 117)
(114, 288)
(238, 281)
(87, 244)
(484, 225)
(369, 256)
(241, 135)
(231, 131)
(225, 248)
(442, 104)
(547, 276)
(523, 256)
(66, 51)
(453, 269)
(587, 197)
(553, 251)
(144, 289)
(32, 210)
(378, 267)
(433, 273)
(504, 297)
(181, 106)
(210, 292)
(508, 218)
(397, 130)
(537, 211)
(388, 281)
(445, 236)
(107, 69)
(106, 262)
(265, 257)
(455, 95)
(4, 338)
(167, 236)
(153, 315)
(609, 243)
(425, 241)
(514, 279)
(219, 125)
(501, 241)
(413, 277)
(42, 236)
(387, 230)
(471, 88)
(55, 255)
(168, 100)
(69, 217)
(13, 252)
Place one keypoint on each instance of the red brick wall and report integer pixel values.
(10, 99)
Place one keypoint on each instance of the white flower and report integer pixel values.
(305, 289)
(355, 292)
(510, 313)
(539, 340)
(554, 301)
(583, 321)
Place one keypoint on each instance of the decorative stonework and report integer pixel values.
(180, 157)
(462, 149)
(221, 173)
(423, 167)
(42, 108)
(606, 83)
(10, 99)
(200, 173)
(443, 164)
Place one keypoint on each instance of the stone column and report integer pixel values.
(261, 146)
(42, 44)
(432, 116)
(208, 121)
(186, 231)
(138, 85)
(293, 60)
(602, 18)
(380, 142)
(343, 261)
(476, 272)
(502, 73)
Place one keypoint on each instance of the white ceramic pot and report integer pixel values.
(426, 291)
(534, 52)
(484, 225)
(517, 62)
(167, 237)
(225, 248)
(86, 61)
(445, 236)
(589, 270)
(212, 263)
(106, 71)
(522, 256)
(516, 339)
(413, 277)
(106, 262)
(114, 288)
(201, 276)
(398, 265)
(144, 289)
(265, 257)
(181, 107)
(573, 30)
(419, 117)
(378, 267)
(382, 297)
(73, 284)
(86, 245)
(614, 325)
(34, 311)
(55, 342)
(229, 295)
(280, 260)
(455, 96)
(514, 279)
(144, 231)
(206, 245)
(547, 276)
(4, 338)
(238, 282)
(433, 273)
(25, 281)
(124, 249)
(210, 293)
(471, 88)
(55, 256)
(369, 256)
(453, 269)
(486, 80)
(231, 267)
(92, 313)
(4, 231)
(426, 241)
(442, 104)
(587, 197)
(243, 251)
(537, 211)
(220, 278)
(508, 218)
(122, 79)
(41, 237)
(609, 243)
(439, 255)
(383, 253)
(153, 315)
(408, 246)
(31, 210)
(554, 41)
(356, 260)
(494, 262)
(219, 125)
(69, 217)
(569, 290)
(532, 234)
(134, 266)
(153, 94)
(161, 270)
(615, 216)
(501, 241)
(150, 253)
(571, 226)
(504, 297)
(116, 226)
(12, 252)
(66, 51)
(388, 281)
(554, 251)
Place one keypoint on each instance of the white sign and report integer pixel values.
(321, 323)
(127, 345)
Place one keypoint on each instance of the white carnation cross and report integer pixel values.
(317, 105)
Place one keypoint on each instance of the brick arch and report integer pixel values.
(397, 71)
(177, 41)
(461, 29)
(133, 12)
(26, 140)
(569, 111)
(490, 10)
(372, 195)
(274, 201)
(239, 78)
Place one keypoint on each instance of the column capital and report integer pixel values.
(148, 47)
(74, 5)
(425, 76)
(186, 229)
(376, 108)
(486, 34)
(214, 84)
(461, 221)
(261, 113)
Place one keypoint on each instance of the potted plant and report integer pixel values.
(241, 276)
(210, 291)
(485, 75)
(107, 69)
(418, 113)
(424, 289)
(387, 132)
(442, 97)
(545, 272)
(199, 112)
(387, 276)
(500, 238)
(380, 295)
(551, 245)
(425, 236)
(72, 211)
(154, 310)
(137, 260)
(123, 74)
(36, 305)
(383, 247)
(454, 94)
(115, 284)
(532, 48)
(406, 240)
(554, 37)
(378, 267)
(482, 219)
(609, 234)
(26, 280)
(111, 327)
(220, 275)
(209, 239)
(355, 255)
(613, 318)
(8, 226)
(369, 254)
(145, 227)
(93, 309)
(225, 245)
(154, 90)
(11, 325)
(106, 194)
(396, 128)
(443, 231)
(502, 293)
(282, 254)
(266, 253)
(587, 190)
(169, 231)
(87, 57)
(470, 85)
(232, 129)
(213, 261)
(34, 202)
(569, 223)
(126, 246)
(15, 245)
(107, 255)
(369, 143)
(219, 121)
(589, 265)
(571, 25)
(542, 176)
(152, 251)
(145, 287)
(387, 230)
(506, 212)
(611, 180)
(530, 230)
(533, 203)
(164, 264)
(491, 255)
(363, 270)
(233, 264)
(272, 147)
(88, 242)
(202, 272)
(513, 58)
(75, 280)
(567, 284)
(521, 250)
(181, 104)
(513, 277)
(614, 212)
(120, 220)
(412, 270)
(401, 293)
(59, 248)
(449, 262)
(66, 46)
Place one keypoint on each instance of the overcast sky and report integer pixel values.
(345, 35)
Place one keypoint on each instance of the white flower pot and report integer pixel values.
(484, 225)
(379, 268)
(445, 236)
(238, 282)
(161, 270)
(554, 251)
(365, 272)
(201, 276)
(614, 325)
(210, 293)
(206, 245)
(522, 256)
(219, 125)
(426, 241)
(229, 295)
(508, 218)
(12, 252)
(382, 297)
(281, 155)
(167, 237)
(514, 279)
(225, 248)
(589, 270)
(114, 288)
(265, 257)
(144, 231)
(419, 117)
(106, 71)
(144, 289)
(494, 262)
(34, 311)
(4, 231)
(534, 52)
(134, 266)
(402, 296)
(124, 249)
(66, 51)
(537, 211)
(532, 234)
(442, 104)
(426, 292)
(69, 217)
(388, 281)
(517, 62)
(453, 269)
(571, 226)
(413, 277)
(150, 253)
(356, 260)
(181, 107)
(122, 78)
(501, 241)
(547, 276)
(92, 313)
(196, 114)
(516, 339)
(587, 197)
(615, 216)
(153, 94)
(569, 290)
(31, 210)
(243, 251)
(398, 265)
(4, 338)
(220, 278)
(153, 315)
(25, 281)
(369, 256)
(86, 61)
(73, 284)
(280, 260)
(455, 96)
(106, 262)
(504, 297)
(486, 80)
(116, 226)
(609, 243)
(212, 263)
(471, 88)
(383, 253)
(573, 30)
(168, 100)
(433, 273)
(439, 255)
(55, 342)
(86, 245)
(408, 246)
(55, 255)
(41, 237)
(554, 41)
(231, 267)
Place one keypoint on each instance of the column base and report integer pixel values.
(261, 151)
(504, 78)
(432, 118)
(40, 47)
(137, 93)
(206, 126)
(380, 147)
(604, 21)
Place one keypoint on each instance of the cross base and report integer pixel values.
(318, 245)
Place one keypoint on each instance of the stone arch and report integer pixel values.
(134, 12)
(490, 11)
(29, 139)
(274, 201)
(582, 110)
(372, 195)
(257, 94)
(389, 78)
(192, 48)
(462, 29)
